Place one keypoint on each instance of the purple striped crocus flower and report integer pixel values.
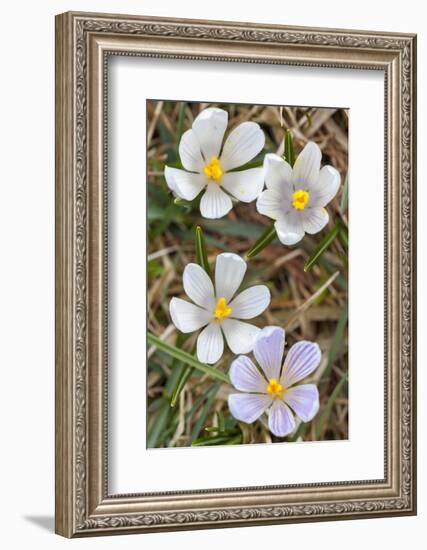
(274, 388)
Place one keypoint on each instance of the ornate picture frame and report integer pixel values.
(83, 44)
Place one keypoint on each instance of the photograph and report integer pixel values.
(247, 274)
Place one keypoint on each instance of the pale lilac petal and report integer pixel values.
(304, 400)
(251, 302)
(190, 153)
(186, 316)
(270, 203)
(229, 272)
(281, 421)
(246, 377)
(314, 219)
(302, 359)
(240, 336)
(242, 145)
(289, 229)
(198, 286)
(209, 127)
(210, 344)
(245, 185)
(248, 407)
(268, 350)
(326, 188)
(215, 203)
(185, 184)
(307, 167)
(278, 176)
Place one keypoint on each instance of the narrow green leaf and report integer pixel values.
(186, 358)
(182, 380)
(158, 426)
(264, 240)
(323, 245)
(344, 197)
(289, 148)
(221, 421)
(210, 440)
(201, 254)
(298, 433)
(329, 404)
(210, 396)
(336, 342)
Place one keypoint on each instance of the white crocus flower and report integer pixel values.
(296, 197)
(208, 167)
(217, 310)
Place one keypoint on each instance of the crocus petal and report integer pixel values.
(248, 407)
(198, 286)
(210, 344)
(185, 184)
(240, 336)
(281, 421)
(307, 166)
(229, 272)
(190, 153)
(326, 187)
(246, 377)
(314, 219)
(268, 350)
(245, 185)
(289, 229)
(270, 203)
(278, 175)
(251, 302)
(209, 127)
(302, 359)
(242, 145)
(188, 317)
(304, 400)
(215, 203)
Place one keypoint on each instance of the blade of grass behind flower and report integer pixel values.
(322, 247)
(289, 148)
(201, 254)
(336, 342)
(158, 427)
(205, 411)
(324, 415)
(264, 240)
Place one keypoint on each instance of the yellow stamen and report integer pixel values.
(275, 388)
(222, 310)
(213, 170)
(300, 199)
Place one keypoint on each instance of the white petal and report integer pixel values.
(314, 219)
(209, 127)
(270, 203)
(281, 421)
(190, 153)
(215, 203)
(242, 145)
(240, 336)
(268, 350)
(278, 175)
(307, 166)
(302, 359)
(304, 400)
(188, 317)
(289, 229)
(326, 187)
(251, 302)
(210, 344)
(185, 184)
(229, 272)
(198, 286)
(248, 407)
(246, 377)
(245, 185)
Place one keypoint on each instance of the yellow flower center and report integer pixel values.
(275, 388)
(222, 310)
(213, 170)
(300, 199)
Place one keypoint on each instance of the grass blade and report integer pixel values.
(186, 358)
(322, 247)
(264, 240)
(182, 380)
(289, 148)
(336, 342)
(329, 404)
(201, 254)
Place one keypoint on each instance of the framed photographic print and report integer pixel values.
(235, 274)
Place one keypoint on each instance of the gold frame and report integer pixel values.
(83, 43)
